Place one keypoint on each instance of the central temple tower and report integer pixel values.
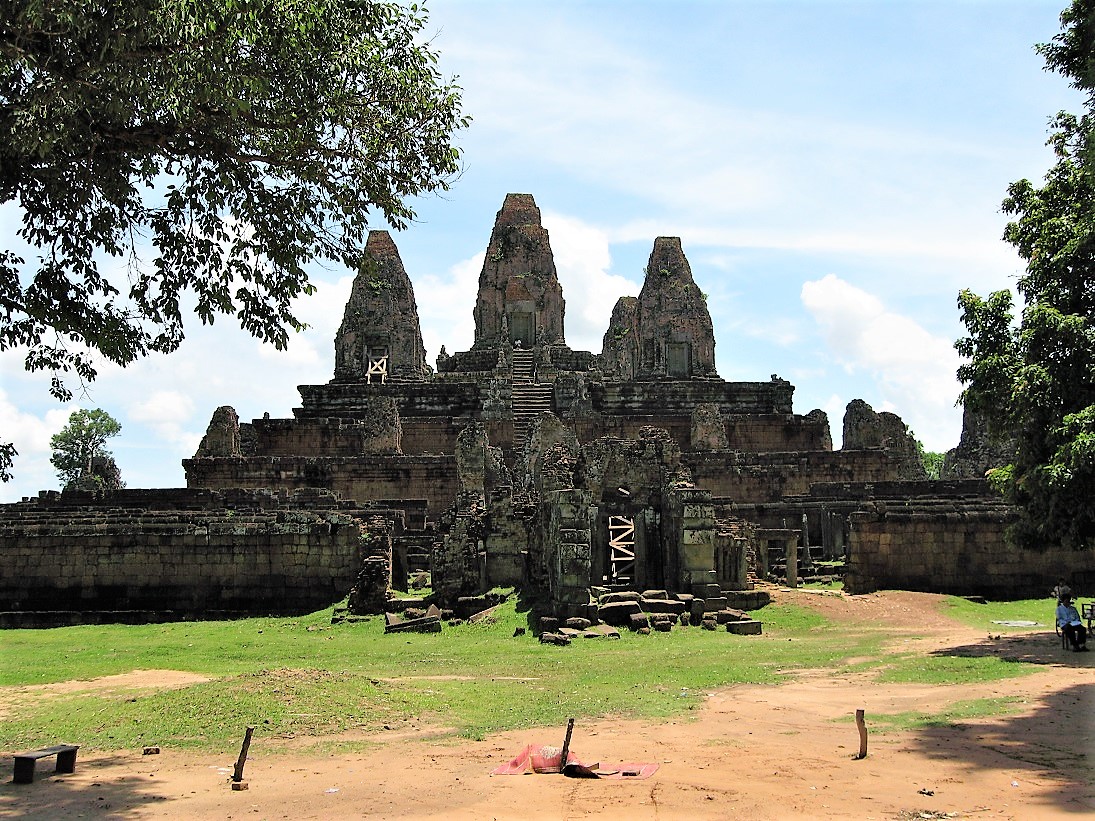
(520, 301)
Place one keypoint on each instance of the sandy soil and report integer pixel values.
(755, 752)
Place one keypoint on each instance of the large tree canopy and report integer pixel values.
(79, 450)
(165, 153)
(1036, 381)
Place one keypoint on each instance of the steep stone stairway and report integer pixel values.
(522, 365)
(529, 397)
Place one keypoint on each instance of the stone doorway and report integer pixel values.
(522, 328)
(678, 359)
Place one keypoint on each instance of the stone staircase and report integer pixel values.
(529, 397)
(522, 365)
(814, 570)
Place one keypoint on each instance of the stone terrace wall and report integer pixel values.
(682, 396)
(190, 559)
(760, 433)
(754, 478)
(951, 547)
(350, 400)
(378, 478)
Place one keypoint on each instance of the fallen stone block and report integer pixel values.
(621, 596)
(750, 627)
(663, 606)
(578, 623)
(601, 631)
(618, 613)
(554, 638)
(426, 624)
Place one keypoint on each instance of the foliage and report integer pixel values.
(1036, 381)
(931, 460)
(165, 153)
(78, 449)
(7, 459)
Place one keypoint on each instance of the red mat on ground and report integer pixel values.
(536, 758)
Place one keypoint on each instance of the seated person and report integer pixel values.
(1069, 621)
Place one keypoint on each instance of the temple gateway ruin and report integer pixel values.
(634, 480)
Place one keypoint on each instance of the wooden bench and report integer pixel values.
(24, 762)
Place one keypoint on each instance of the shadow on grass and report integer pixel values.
(104, 786)
(1030, 648)
(1052, 744)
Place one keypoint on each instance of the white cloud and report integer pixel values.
(582, 260)
(30, 434)
(167, 412)
(168, 407)
(913, 370)
(321, 311)
(445, 304)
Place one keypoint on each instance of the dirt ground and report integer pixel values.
(755, 752)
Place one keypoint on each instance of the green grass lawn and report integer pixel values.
(304, 676)
(986, 615)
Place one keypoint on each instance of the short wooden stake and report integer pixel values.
(237, 774)
(862, 726)
(566, 744)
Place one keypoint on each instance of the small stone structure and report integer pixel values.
(632, 484)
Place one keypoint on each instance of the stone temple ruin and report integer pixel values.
(631, 482)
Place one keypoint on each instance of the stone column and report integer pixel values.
(792, 561)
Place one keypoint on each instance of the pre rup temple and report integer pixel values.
(635, 474)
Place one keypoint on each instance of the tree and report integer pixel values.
(169, 153)
(1037, 380)
(79, 452)
(930, 459)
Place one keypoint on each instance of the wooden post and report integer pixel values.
(862, 726)
(237, 774)
(566, 744)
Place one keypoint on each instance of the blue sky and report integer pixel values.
(834, 169)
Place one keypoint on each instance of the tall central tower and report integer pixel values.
(520, 300)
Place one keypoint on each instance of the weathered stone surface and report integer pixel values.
(864, 428)
(549, 435)
(676, 337)
(519, 299)
(222, 436)
(380, 338)
(671, 606)
(620, 346)
(471, 458)
(818, 419)
(618, 613)
(708, 428)
(187, 552)
(978, 451)
(748, 627)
